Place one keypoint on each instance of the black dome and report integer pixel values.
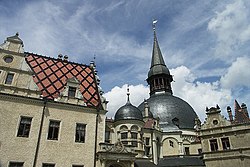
(128, 112)
(172, 111)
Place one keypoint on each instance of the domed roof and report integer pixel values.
(174, 113)
(128, 112)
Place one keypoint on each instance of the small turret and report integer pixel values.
(229, 111)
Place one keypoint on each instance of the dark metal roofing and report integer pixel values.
(158, 65)
(51, 77)
(128, 112)
(184, 161)
(144, 163)
(174, 113)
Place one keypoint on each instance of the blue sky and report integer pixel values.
(205, 43)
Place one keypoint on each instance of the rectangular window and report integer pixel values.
(225, 143)
(16, 164)
(134, 137)
(48, 165)
(147, 150)
(107, 136)
(80, 133)
(77, 165)
(213, 145)
(53, 130)
(124, 137)
(72, 92)
(24, 127)
(147, 141)
(186, 149)
(9, 78)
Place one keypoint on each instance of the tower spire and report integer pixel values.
(128, 94)
(159, 77)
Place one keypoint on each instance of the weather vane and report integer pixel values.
(154, 23)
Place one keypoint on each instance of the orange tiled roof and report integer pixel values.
(149, 124)
(51, 76)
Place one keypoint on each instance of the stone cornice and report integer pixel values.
(50, 103)
(12, 53)
(16, 70)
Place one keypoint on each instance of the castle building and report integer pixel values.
(53, 114)
(158, 130)
(226, 142)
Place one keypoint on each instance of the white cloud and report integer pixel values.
(198, 95)
(231, 26)
(237, 74)
(117, 97)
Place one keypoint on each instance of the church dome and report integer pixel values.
(174, 113)
(128, 112)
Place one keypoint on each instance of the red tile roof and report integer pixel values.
(51, 76)
(149, 124)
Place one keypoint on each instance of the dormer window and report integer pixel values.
(9, 78)
(72, 91)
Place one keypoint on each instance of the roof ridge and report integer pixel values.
(71, 62)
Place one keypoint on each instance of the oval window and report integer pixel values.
(215, 122)
(8, 59)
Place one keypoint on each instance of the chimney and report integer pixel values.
(244, 108)
(65, 58)
(229, 111)
(60, 56)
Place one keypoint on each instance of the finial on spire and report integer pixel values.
(128, 94)
(154, 24)
(17, 34)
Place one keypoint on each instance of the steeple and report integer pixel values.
(128, 94)
(159, 77)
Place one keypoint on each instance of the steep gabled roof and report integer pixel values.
(51, 77)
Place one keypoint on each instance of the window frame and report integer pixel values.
(213, 145)
(107, 136)
(26, 127)
(16, 164)
(72, 93)
(77, 165)
(134, 137)
(48, 165)
(9, 81)
(186, 150)
(54, 134)
(80, 134)
(124, 137)
(225, 143)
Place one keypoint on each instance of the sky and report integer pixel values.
(205, 44)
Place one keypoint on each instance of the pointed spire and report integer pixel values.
(128, 94)
(157, 58)
(159, 77)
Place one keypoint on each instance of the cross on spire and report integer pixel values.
(128, 101)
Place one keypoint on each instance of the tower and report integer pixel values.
(159, 77)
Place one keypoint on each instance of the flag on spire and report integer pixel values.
(154, 23)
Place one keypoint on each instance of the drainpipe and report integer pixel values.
(40, 133)
(96, 132)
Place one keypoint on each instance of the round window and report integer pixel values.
(215, 122)
(8, 59)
